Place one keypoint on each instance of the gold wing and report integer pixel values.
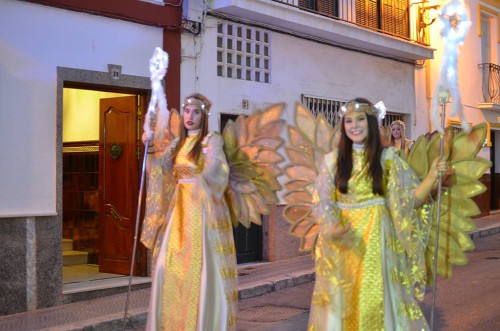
(460, 185)
(251, 147)
(310, 139)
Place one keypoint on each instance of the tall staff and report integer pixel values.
(454, 26)
(158, 68)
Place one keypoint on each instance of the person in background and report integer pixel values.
(398, 137)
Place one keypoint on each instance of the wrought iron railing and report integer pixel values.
(491, 82)
(392, 17)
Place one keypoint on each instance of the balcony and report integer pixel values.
(490, 86)
(379, 27)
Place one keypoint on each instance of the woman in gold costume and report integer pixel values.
(188, 228)
(398, 137)
(373, 230)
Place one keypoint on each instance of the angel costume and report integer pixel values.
(369, 279)
(188, 227)
(407, 145)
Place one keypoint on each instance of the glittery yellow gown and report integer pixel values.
(369, 279)
(188, 228)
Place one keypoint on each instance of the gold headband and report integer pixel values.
(196, 102)
(378, 110)
(400, 123)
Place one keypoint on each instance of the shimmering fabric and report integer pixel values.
(368, 279)
(194, 271)
(403, 152)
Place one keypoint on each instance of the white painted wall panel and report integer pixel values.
(34, 41)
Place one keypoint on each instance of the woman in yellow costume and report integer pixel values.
(398, 137)
(373, 230)
(188, 227)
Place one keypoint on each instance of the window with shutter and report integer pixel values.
(394, 18)
(308, 4)
(387, 15)
(367, 13)
(326, 7)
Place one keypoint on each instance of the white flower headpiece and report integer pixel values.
(196, 102)
(378, 110)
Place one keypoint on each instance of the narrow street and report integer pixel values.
(468, 301)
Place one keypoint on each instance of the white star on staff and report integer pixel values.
(454, 26)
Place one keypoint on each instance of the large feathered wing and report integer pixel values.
(309, 141)
(459, 186)
(251, 147)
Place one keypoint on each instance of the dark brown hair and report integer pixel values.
(373, 152)
(194, 153)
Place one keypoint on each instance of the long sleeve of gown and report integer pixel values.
(324, 208)
(411, 224)
(214, 177)
(215, 172)
(333, 285)
(160, 186)
(222, 297)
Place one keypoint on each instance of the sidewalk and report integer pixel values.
(107, 313)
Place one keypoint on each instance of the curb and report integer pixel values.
(258, 288)
(488, 231)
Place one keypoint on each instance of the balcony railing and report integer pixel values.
(392, 17)
(491, 82)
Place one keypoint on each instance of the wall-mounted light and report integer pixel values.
(427, 14)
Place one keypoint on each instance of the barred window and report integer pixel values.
(391, 117)
(243, 52)
(330, 108)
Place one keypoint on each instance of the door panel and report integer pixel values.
(118, 183)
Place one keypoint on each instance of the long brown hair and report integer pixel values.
(373, 152)
(194, 153)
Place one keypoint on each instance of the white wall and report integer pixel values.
(298, 67)
(34, 41)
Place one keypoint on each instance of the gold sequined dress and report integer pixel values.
(188, 228)
(370, 279)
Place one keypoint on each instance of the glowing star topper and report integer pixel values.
(454, 26)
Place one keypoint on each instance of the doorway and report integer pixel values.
(495, 167)
(101, 153)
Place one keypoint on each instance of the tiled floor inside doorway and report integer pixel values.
(85, 272)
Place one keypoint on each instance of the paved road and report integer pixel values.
(469, 301)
